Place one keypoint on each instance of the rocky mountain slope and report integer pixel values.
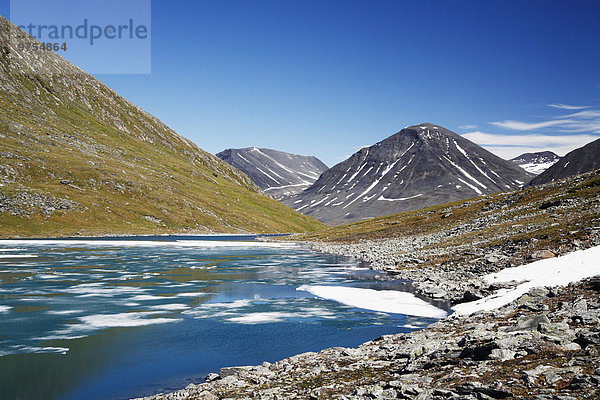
(419, 166)
(536, 163)
(76, 158)
(583, 159)
(279, 174)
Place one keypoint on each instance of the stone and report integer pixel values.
(543, 254)
(233, 371)
(530, 323)
(502, 354)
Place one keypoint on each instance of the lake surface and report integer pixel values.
(117, 318)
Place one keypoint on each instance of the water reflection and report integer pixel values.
(128, 317)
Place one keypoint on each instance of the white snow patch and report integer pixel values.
(356, 173)
(270, 177)
(388, 301)
(559, 271)
(401, 198)
(319, 202)
(465, 173)
(244, 158)
(287, 186)
(471, 186)
(340, 181)
(537, 168)
(364, 193)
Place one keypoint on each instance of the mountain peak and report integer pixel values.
(419, 166)
(277, 173)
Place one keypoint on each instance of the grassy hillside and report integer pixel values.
(76, 158)
(555, 216)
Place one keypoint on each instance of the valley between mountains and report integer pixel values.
(424, 205)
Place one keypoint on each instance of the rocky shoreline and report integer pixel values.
(545, 345)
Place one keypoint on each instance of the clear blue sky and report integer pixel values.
(324, 78)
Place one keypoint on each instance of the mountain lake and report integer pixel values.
(116, 318)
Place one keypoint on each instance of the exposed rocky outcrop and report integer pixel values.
(27, 202)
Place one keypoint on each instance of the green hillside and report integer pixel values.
(78, 159)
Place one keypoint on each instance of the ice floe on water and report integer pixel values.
(80, 287)
(147, 243)
(18, 256)
(170, 307)
(33, 349)
(262, 317)
(261, 311)
(101, 290)
(387, 301)
(559, 271)
(120, 320)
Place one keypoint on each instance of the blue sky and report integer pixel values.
(327, 77)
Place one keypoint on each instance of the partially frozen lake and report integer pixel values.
(126, 317)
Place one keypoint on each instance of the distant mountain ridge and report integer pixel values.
(578, 161)
(419, 166)
(536, 163)
(278, 173)
(78, 159)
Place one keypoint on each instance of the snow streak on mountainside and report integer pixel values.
(279, 174)
(419, 166)
(536, 163)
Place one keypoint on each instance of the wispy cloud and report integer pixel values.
(528, 126)
(567, 107)
(587, 121)
(510, 146)
(468, 127)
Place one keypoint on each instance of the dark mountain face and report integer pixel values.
(583, 159)
(419, 166)
(536, 163)
(278, 173)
